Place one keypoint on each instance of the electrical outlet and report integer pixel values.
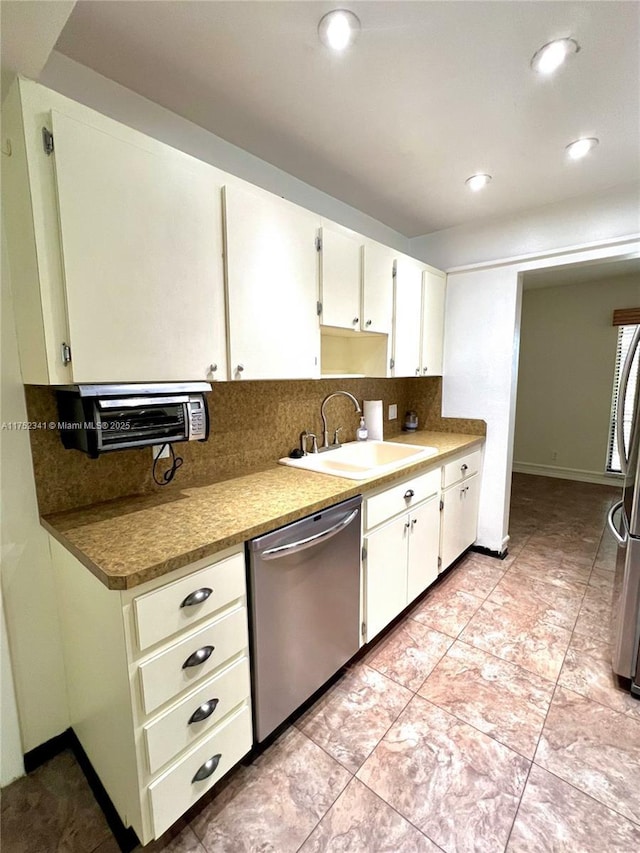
(155, 448)
(393, 412)
(554, 455)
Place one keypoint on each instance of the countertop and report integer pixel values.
(133, 540)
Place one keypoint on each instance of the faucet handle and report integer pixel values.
(314, 443)
(336, 440)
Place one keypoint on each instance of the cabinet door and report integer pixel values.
(433, 292)
(272, 287)
(459, 519)
(408, 307)
(385, 575)
(377, 288)
(340, 279)
(141, 236)
(424, 547)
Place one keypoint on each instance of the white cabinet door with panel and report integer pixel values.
(424, 541)
(407, 325)
(377, 288)
(340, 277)
(272, 287)
(385, 575)
(433, 295)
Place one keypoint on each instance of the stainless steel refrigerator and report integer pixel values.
(625, 617)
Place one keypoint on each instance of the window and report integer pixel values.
(625, 334)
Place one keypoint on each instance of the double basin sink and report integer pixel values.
(359, 460)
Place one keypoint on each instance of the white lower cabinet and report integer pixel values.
(160, 701)
(459, 519)
(460, 499)
(413, 530)
(401, 553)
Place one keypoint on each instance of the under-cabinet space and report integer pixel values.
(345, 353)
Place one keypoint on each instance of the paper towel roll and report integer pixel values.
(372, 411)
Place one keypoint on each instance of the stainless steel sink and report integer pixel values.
(359, 460)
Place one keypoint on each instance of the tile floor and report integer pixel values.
(488, 720)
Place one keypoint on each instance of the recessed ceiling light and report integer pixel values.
(338, 29)
(552, 55)
(581, 147)
(477, 182)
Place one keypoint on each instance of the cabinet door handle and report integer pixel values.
(414, 521)
(207, 768)
(198, 657)
(203, 711)
(417, 371)
(368, 323)
(425, 370)
(355, 321)
(464, 467)
(407, 525)
(197, 597)
(409, 494)
(240, 368)
(213, 368)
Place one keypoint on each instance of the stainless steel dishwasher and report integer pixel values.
(305, 601)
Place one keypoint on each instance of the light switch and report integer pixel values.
(393, 412)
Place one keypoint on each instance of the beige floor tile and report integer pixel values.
(52, 809)
(556, 818)
(360, 822)
(447, 611)
(475, 574)
(459, 786)
(557, 605)
(587, 671)
(595, 615)
(350, 719)
(595, 749)
(410, 653)
(276, 803)
(521, 638)
(499, 698)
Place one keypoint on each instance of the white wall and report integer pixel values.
(76, 81)
(567, 358)
(27, 578)
(578, 221)
(481, 363)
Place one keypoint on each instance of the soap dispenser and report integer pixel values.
(363, 432)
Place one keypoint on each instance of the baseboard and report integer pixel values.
(46, 751)
(125, 837)
(567, 474)
(489, 552)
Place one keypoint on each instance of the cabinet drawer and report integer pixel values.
(168, 735)
(166, 675)
(175, 791)
(163, 612)
(401, 497)
(461, 468)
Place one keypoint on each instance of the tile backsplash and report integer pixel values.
(252, 425)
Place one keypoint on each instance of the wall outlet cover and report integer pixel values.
(157, 447)
(393, 412)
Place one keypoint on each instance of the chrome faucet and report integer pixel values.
(325, 431)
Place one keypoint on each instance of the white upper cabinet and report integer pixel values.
(272, 287)
(433, 295)
(115, 241)
(408, 307)
(141, 236)
(340, 277)
(377, 288)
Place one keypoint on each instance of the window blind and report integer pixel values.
(625, 334)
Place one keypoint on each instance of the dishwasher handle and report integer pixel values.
(309, 542)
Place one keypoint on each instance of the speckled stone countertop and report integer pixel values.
(132, 540)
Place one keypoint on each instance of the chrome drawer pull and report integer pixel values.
(464, 467)
(409, 494)
(207, 768)
(198, 657)
(205, 710)
(197, 597)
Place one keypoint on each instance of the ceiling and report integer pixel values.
(431, 93)
(603, 271)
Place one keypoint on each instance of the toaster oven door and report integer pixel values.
(136, 422)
